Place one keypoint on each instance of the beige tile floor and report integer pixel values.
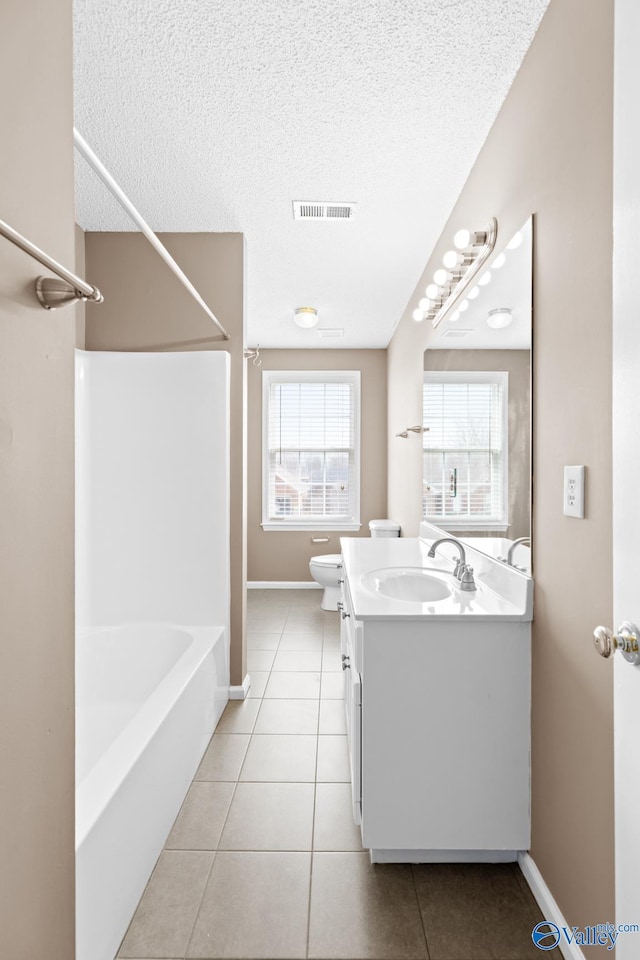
(264, 860)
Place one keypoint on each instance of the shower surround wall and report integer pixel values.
(147, 309)
(152, 489)
(152, 610)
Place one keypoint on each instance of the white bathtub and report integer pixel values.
(148, 697)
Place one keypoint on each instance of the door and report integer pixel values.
(626, 462)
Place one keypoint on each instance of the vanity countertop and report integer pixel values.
(502, 592)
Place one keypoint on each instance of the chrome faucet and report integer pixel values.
(513, 546)
(461, 571)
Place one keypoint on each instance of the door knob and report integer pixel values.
(626, 640)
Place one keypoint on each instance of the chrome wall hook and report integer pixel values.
(416, 429)
(254, 356)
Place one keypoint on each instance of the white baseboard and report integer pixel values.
(283, 585)
(548, 905)
(240, 692)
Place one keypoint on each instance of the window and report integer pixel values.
(465, 449)
(311, 425)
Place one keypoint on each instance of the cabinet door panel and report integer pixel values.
(354, 725)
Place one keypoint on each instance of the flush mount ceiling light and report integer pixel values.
(461, 265)
(500, 317)
(306, 317)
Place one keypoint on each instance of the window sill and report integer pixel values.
(281, 526)
(447, 523)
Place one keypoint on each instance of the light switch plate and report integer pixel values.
(573, 492)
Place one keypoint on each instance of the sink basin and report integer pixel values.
(407, 583)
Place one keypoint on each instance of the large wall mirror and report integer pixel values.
(477, 410)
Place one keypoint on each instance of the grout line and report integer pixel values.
(252, 734)
(261, 699)
(313, 823)
(204, 890)
(215, 852)
(420, 913)
(310, 880)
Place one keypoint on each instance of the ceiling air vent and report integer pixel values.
(455, 334)
(331, 332)
(323, 210)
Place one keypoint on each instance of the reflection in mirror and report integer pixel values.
(477, 411)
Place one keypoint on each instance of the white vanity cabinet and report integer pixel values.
(351, 649)
(438, 718)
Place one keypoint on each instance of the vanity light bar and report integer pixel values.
(461, 267)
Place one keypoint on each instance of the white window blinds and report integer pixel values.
(465, 448)
(311, 449)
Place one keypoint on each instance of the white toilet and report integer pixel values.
(326, 570)
(384, 528)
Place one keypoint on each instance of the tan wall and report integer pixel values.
(80, 269)
(517, 364)
(147, 308)
(276, 556)
(550, 154)
(36, 490)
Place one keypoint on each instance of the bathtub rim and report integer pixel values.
(98, 788)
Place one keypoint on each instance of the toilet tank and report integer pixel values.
(384, 528)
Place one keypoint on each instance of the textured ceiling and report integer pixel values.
(214, 115)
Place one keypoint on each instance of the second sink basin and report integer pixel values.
(407, 583)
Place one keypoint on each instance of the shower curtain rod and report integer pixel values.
(85, 150)
(52, 293)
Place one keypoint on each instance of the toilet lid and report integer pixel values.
(383, 525)
(328, 560)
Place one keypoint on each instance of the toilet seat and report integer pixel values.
(328, 560)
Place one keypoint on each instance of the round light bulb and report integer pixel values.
(451, 259)
(440, 277)
(464, 305)
(306, 317)
(418, 315)
(425, 304)
(462, 239)
(473, 293)
(500, 317)
(432, 291)
(515, 241)
(499, 261)
(454, 316)
(485, 279)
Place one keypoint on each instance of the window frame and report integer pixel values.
(271, 524)
(498, 524)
